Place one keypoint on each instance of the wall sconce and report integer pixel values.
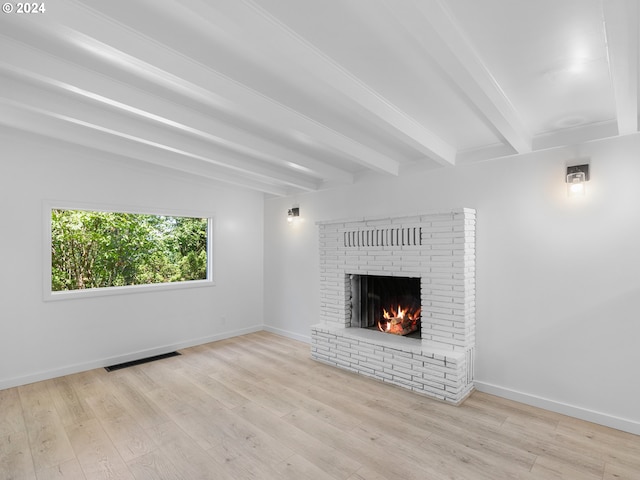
(577, 175)
(293, 214)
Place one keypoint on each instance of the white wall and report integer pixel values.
(558, 321)
(43, 339)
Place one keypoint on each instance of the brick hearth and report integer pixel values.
(439, 248)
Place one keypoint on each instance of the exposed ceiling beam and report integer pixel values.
(122, 127)
(575, 135)
(447, 45)
(48, 71)
(490, 152)
(30, 66)
(621, 28)
(124, 49)
(72, 130)
(259, 26)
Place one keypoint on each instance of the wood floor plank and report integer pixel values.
(258, 394)
(71, 407)
(503, 407)
(126, 434)
(297, 467)
(11, 419)
(154, 466)
(89, 383)
(185, 453)
(451, 426)
(127, 390)
(612, 446)
(240, 462)
(242, 435)
(70, 470)
(552, 468)
(16, 462)
(282, 386)
(614, 471)
(137, 376)
(472, 460)
(96, 454)
(367, 473)
(257, 407)
(400, 428)
(201, 428)
(550, 446)
(48, 440)
(199, 377)
(389, 463)
(326, 457)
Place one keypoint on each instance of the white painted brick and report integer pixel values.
(379, 271)
(400, 370)
(365, 370)
(331, 229)
(443, 262)
(429, 386)
(326, 336)
(377, 364)
(376, 262)
(382, 253)
(398, 374)
(320, 357)
(450, 270)
(406, 253)
(455, 282)
(433, 277)
(344, 357)
(343, 363)
(406, 221)
(361, 359)
(447, 223)
(414, 269)
(415, 361)
(433, 241)
(384, 376)
(366, 349)
(401, 381)
(429, 321)
(343, 342)
(384, 353)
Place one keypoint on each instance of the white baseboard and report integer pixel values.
(600, 418)
(286, 333)
(104, 362)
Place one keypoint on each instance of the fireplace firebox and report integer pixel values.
(388, 304)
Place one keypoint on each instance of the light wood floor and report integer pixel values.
(257, 407)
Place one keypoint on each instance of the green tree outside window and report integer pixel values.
(108, 249)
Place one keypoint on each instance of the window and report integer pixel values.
(95, 251)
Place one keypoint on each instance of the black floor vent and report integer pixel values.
(141, 361)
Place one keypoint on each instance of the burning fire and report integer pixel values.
(401, 321)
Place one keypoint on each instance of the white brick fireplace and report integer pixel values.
(437, 248)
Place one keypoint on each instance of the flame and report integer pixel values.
(400, 321)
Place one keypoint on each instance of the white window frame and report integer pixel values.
(50, 295)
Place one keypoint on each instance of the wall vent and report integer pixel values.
(119, 366)
(383, 237)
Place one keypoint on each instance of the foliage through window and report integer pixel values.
(91, 249)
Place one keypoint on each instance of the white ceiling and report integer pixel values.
(285, 96)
